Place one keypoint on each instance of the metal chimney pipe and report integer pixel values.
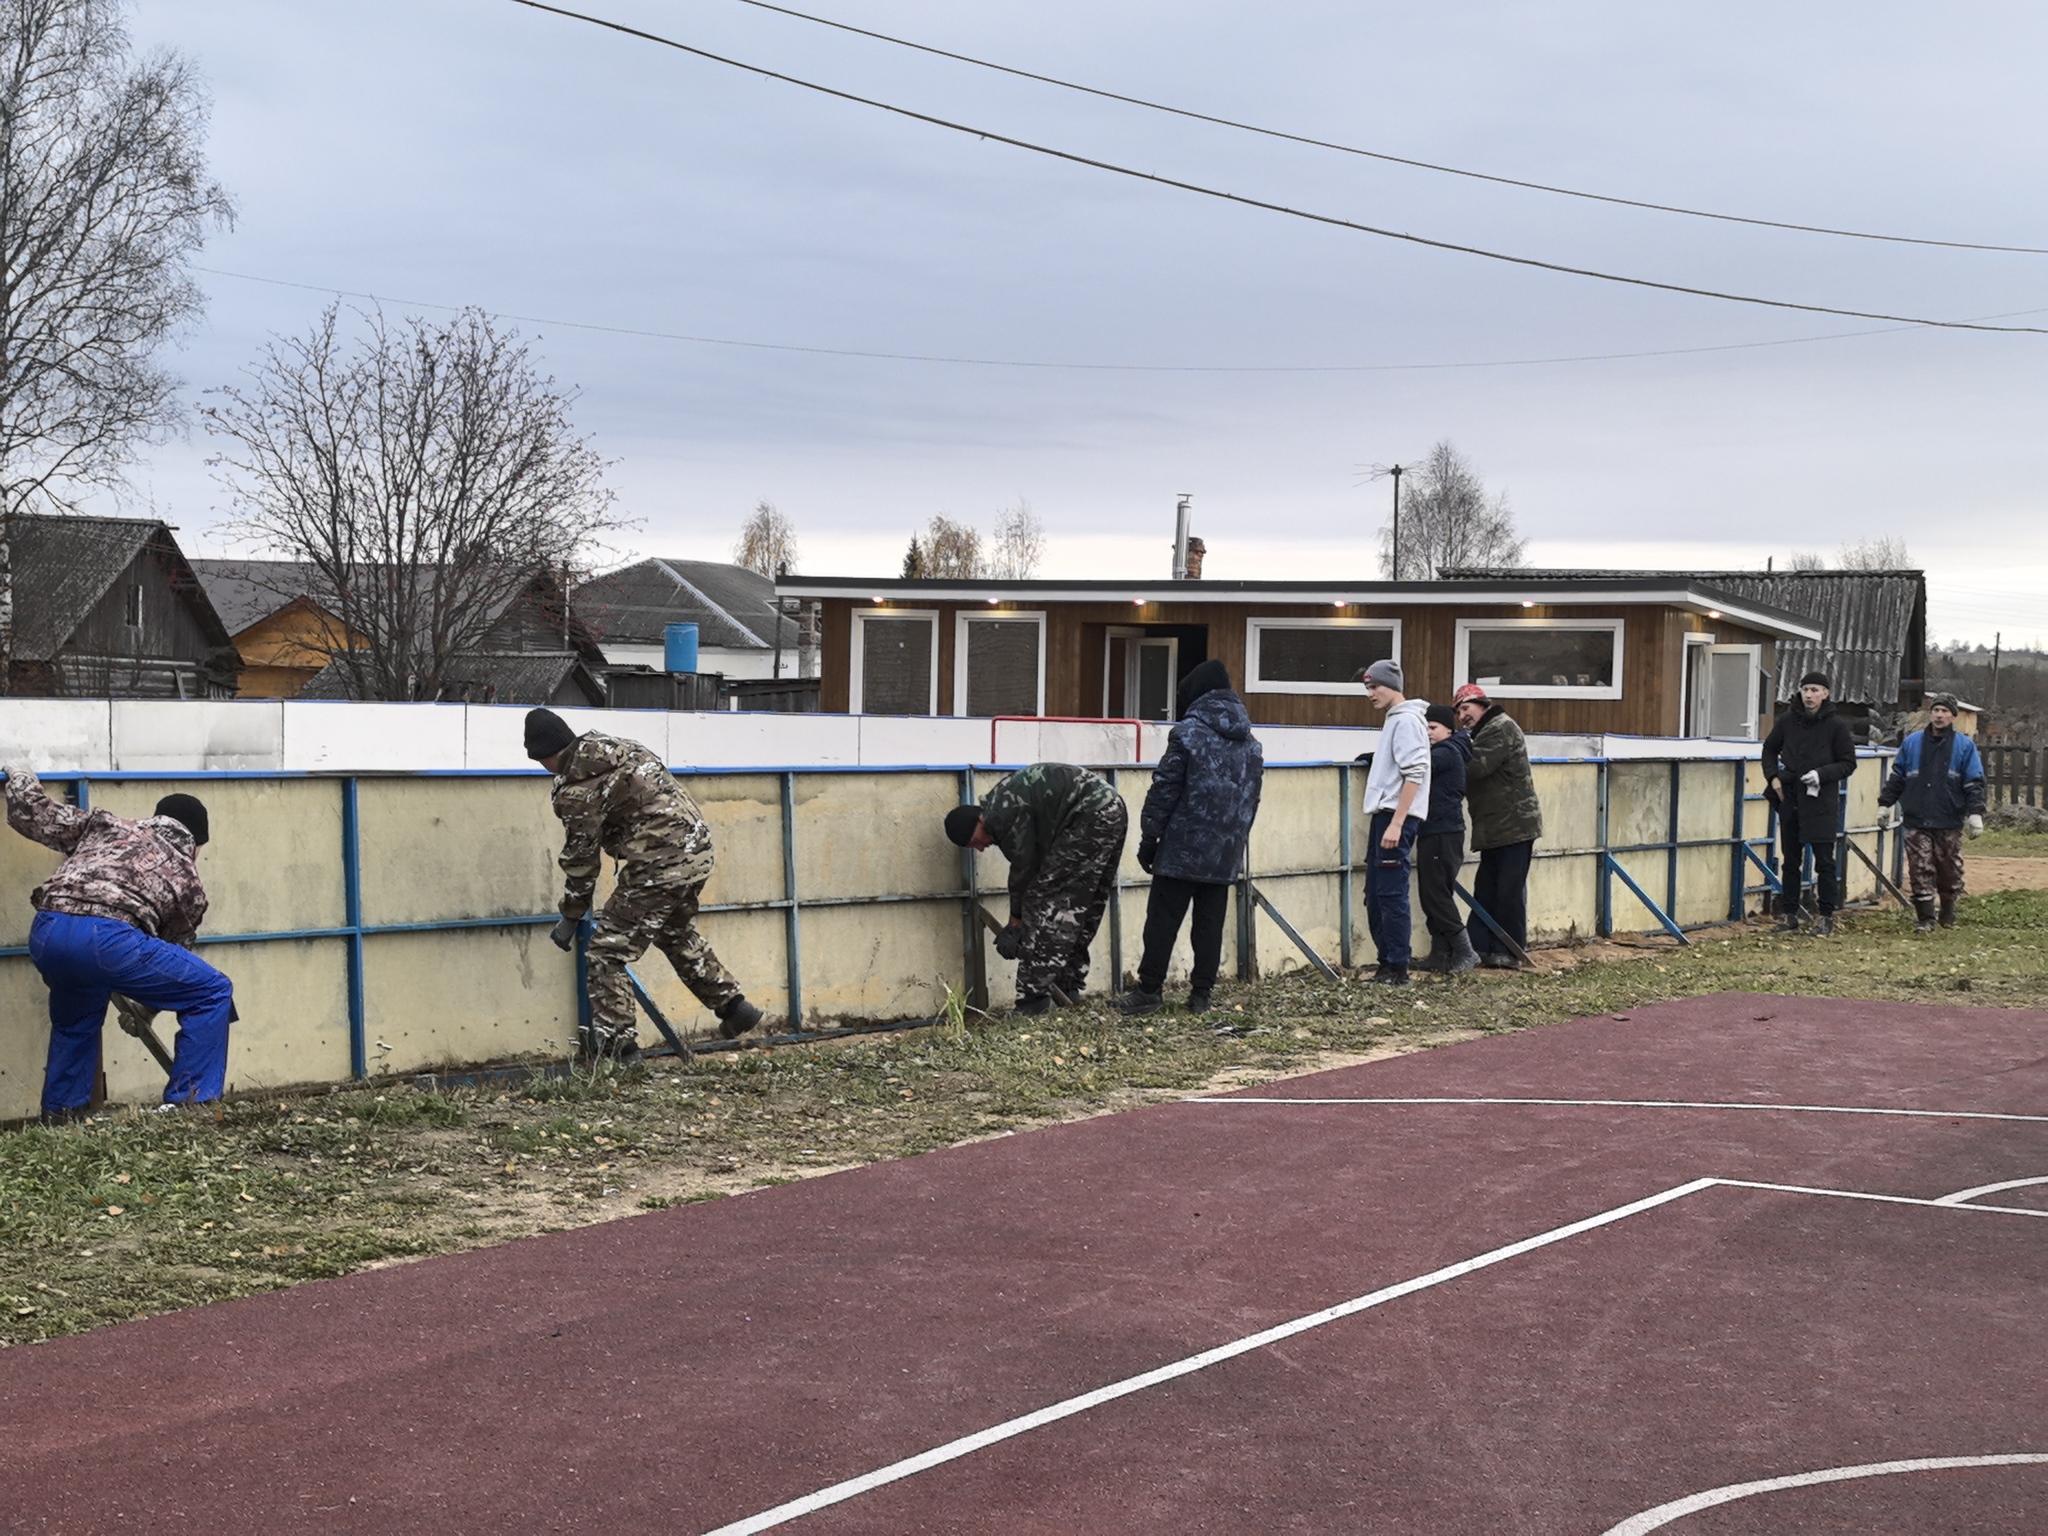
(1180, 538)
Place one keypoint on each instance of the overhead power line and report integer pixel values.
(1242, 200)
(1381, 155)
(1027, 363)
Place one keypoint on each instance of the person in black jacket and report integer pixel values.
(1440, 846)
(1808, 753)
(1192, 831)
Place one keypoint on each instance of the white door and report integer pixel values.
(1150, 668)
(1730, 695)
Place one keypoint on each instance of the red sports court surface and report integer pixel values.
(1303, 1308)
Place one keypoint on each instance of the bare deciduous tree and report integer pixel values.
(1448, 521)
(426, 474)
(104, 195)
(1807, 560)
(767, 542)
(951, 551)
(1887, 552)
(1018, 545)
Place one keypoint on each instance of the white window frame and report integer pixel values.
(966, 616)
(1254, 628)
(854, 699)
(1463, 659)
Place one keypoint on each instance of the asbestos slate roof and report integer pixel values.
(1869, 621)
(246, 592)
(731, 606)
(62, 567)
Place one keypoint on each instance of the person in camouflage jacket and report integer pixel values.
(1063, 829)
(1507, 818)
(119, 917)
(616, 797)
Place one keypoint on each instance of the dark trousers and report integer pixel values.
(1502, 888)
(1792, 868)
(1164, 910)
(87, 959)
(1386, 890)
(1438, 858)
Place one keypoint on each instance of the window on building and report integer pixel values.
(135, 605)
(1315, 655)
(895, 654)
(1541, 658)
(999, 664)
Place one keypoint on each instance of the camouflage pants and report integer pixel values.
(635, 917)
(1934, 862)
(1062, 908)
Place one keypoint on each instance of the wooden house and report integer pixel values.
(109, 607)
(283, 634)
(1664, 656)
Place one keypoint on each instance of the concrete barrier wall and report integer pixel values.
(441, 957)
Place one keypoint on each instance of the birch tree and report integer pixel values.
(1448, 520)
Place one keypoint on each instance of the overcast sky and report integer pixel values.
(454, 152)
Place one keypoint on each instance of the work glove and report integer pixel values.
(564, 933)
(1811, 779)
(1148, 853)
(1010, 941)
(1973, 826)
(133, 1016)
(1890, 817)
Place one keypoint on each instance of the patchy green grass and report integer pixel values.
(2007, 843)
(134, 1214)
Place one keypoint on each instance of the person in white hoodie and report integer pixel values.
(1396, 803)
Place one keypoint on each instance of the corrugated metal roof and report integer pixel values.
(1865, 618)
(731, 606)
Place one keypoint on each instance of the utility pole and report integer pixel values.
(1997, 644)
(1396, 472)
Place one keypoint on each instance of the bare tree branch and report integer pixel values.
(767, 542)
(1448, 520)
(424, 474)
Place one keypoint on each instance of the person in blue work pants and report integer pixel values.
(120, 916)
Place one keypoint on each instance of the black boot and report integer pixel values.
(1140, 1001)
(1391, 976)
(1199, 1001)
(1438, 958)
(1948, 911)
(736, 1017)
(1824, 926)
(1031, 1004)
(1923, 907)
(1788, 921)
(1463, 956)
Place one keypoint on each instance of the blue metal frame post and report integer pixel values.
(1671, 869)
(1344, 859)
(352, 919)
(974, 956)
(1603, 897)
(793, 923)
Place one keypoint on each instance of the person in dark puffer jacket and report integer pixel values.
(1192, 831)
(1937, 782)
(1808, 753)
(1440, 846)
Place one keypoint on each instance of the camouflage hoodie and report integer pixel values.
(615, 797)
(1026, 811)
(140, 872)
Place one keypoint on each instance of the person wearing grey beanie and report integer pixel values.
(1395, 805)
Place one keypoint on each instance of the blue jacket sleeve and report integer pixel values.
(1973, 777)
(1895, 781)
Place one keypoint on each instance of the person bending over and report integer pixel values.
(616, 797)
(120, 916)
(1192, 831)
(1062, 828)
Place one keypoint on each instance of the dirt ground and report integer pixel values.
(1983, 876)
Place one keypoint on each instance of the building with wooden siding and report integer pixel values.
(1663, 656)
(109, 607)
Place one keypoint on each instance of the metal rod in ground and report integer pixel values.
(1486, 917)
(1656, 911)
(1882, 880)
(1288, 928)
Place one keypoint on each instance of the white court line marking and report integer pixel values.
(967, 1445)
(1692, 1504)
(1803, 1109)
(1965, 1196)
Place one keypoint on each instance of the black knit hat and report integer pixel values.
(961, 822)
(186, 810)
(1443, 715)
(1817, 677)
(1206, 678)
(546, 733)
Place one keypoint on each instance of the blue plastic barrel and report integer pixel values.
(679, 647)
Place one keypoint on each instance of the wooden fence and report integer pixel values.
(2015, 771)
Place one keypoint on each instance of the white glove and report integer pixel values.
(1890, 817)
(1811, 779)
(1973, 826)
